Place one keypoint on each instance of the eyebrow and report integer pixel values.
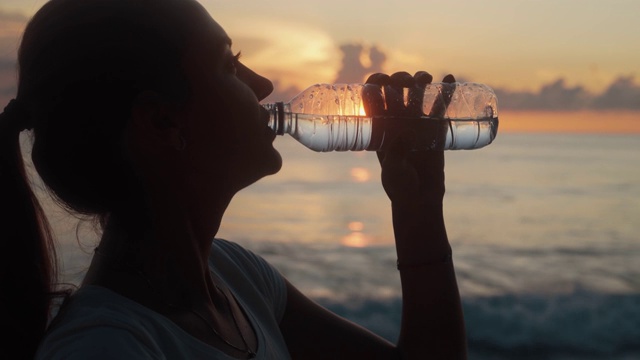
(226, 41)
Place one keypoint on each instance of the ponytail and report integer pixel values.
(81, 65)
(27, 254)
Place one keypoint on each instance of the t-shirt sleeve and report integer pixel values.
(264, 277)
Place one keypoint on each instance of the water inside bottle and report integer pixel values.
(324, 133)
(332, 132)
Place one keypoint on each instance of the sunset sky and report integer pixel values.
(583, 52)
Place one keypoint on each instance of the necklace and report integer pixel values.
(249, 353)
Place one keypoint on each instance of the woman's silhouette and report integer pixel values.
(144, 118)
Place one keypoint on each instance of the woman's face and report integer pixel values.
(226, 128)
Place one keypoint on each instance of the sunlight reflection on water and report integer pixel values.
(523, 190)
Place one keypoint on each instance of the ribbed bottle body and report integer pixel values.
(332, 118)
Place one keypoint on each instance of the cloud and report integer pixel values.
(553, 96)
(313, 62)
(295, 53)
(282, 92)
(358, 63)
(622, 94)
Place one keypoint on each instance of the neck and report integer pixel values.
(172, 249)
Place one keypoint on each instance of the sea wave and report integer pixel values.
(519, 303)
(580, 325)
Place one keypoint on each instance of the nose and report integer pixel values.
(260, 85)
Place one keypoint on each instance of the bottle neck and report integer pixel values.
(277, 116)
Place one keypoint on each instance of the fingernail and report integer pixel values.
(379, 79)
(422, 78)
(403, 79)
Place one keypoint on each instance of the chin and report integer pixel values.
(274, 163)
(268, 166)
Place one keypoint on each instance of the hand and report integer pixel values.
(432, 320)
(407, 176)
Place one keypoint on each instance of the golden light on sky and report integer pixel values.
(513, 43)
(603, 122)
(520, 47)
(293, 53)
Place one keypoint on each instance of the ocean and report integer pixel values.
(544, 228)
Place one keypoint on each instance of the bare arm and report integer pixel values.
(432, 320)
(313, 332)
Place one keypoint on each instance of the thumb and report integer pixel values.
(398, 149)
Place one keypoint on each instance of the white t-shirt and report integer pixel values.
(101, 324)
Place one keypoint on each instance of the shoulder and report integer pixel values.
(226, 254)
(99, 324)
(230, 248)
(248, 272)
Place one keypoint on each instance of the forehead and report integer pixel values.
(207, 37)
(207, 48)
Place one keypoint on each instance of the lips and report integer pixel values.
(264, 114)
(270, 133)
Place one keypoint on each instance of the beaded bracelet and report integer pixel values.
(445, 260)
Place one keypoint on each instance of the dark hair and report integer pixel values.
(82, 63)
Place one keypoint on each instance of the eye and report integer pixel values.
(232, 64)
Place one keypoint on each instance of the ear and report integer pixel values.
(155, 124)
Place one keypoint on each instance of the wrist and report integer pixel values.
(427, 262)
(420, 231)
(418, 207)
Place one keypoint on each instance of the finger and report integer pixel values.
(423, 78)
(402, 79)
(416, 93)
(439, 108)
(378, 79)
(449, 79)
(394, 92)
(372, 99)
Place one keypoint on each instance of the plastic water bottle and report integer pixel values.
(328, 117)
